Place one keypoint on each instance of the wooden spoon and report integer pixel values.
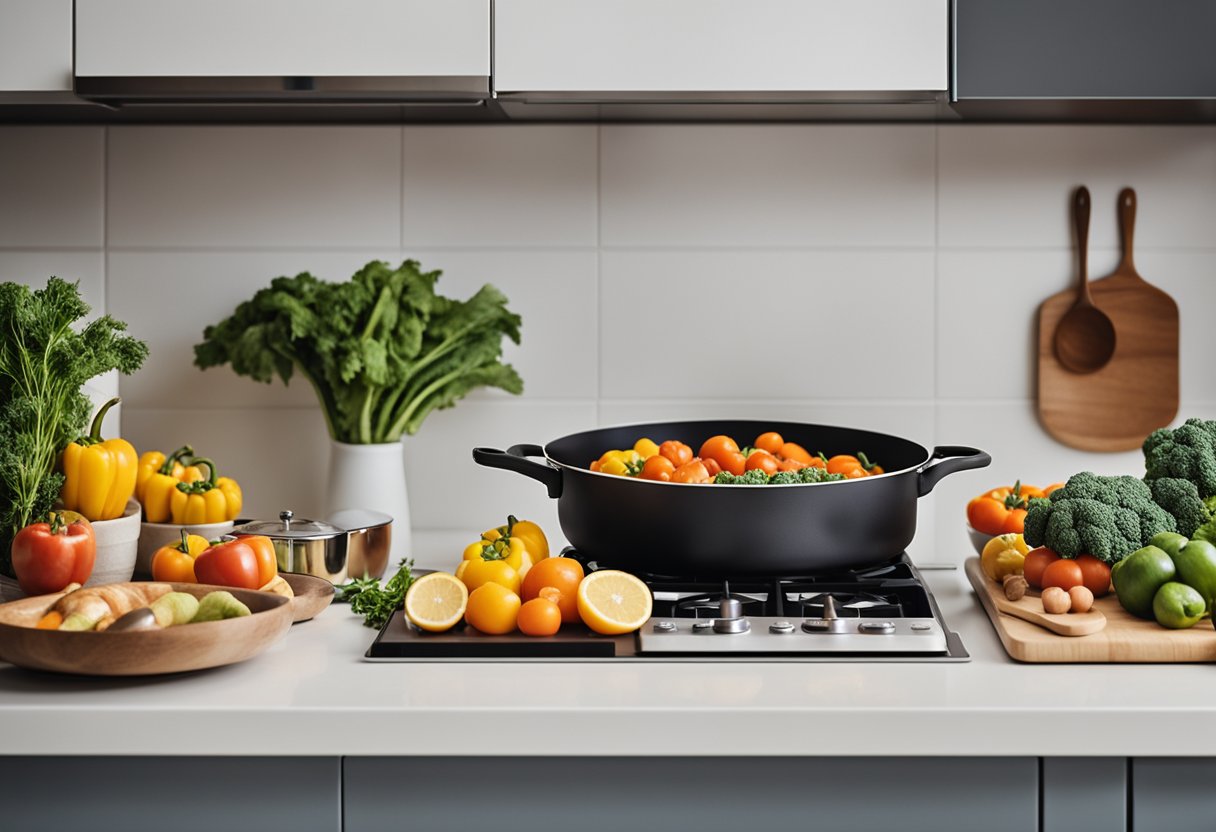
(1085, 336)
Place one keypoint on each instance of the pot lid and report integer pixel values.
(290, 527)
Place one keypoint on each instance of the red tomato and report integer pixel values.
(234, 563)
(763, 460)
(691, 472)
(770, 442)
(658, 467)
(49, 556)
(263, 550)
(717, 448)
(1095, 575)
(1036, 561)
(1063, 573)
(677, 452)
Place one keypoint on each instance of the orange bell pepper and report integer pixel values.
(175, 563)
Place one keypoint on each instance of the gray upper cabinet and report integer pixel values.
(35, 49)
(1084, 50)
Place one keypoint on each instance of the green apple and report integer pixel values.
(1178, 606)
(1196, 564)
(1142, 573)
(1168, 542)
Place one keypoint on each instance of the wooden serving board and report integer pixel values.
(1115, 408)
(1125, 638)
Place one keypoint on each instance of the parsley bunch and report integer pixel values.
(375, 603)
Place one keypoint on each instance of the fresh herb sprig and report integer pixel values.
(374, 602)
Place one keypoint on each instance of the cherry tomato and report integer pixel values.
(49, 556)
(844, 464)
(763, 460)
(718, 447)
(794, 451)
(712, 466)
(1095, 575)
(1063, 573)
(234, 563)
(817, 461)
(561, 575)
(691, 472)
(493, 609)
(677, 452)
(770, 442)
(658, 467)
(1036, 561)
(735, 463)
(792, 464)
(539, 617)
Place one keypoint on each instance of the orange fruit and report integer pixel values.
(564, 574)
(539, 617)
(493, 609)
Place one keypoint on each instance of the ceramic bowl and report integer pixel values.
(117, 547)
(978, 539)
(152, 536)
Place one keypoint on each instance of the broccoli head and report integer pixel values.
(1107, 517)
(1187, 452)
(784, 478)
(811, 474)
(752, 477)
(1181, 499)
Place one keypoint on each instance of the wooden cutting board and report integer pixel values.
(1125, 638)
(1114, 408)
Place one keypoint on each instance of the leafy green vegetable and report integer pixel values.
(43, 363)
(382, 350)
(803, 476)
(376, 603)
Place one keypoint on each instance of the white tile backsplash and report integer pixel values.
(744, 324)
(51, 186)
(500, 186)
(1011, 186)
(264, 187)
(760, 185)
(880, 276)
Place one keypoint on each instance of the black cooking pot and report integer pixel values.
(722, 530)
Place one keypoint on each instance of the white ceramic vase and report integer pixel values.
(371, 477)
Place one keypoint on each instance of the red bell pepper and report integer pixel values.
(234, 563)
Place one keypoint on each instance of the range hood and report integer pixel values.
(701, 58)
(274, 52)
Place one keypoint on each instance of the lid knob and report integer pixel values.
(286, 516)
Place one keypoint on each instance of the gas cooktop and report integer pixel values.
(882, 613)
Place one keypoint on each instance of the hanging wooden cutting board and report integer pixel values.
(1114, 408)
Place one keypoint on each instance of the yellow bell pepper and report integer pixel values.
(646, 448)
(99, 475)
(213, 500)
(152, 463)
(1004, 555)
(175, 562)
(509, 550)
(531, 534)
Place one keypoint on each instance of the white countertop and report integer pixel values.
(312, 694)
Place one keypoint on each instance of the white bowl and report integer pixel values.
(117, 546)
(978, 539)
(152, 536)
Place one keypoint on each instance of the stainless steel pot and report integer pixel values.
(354, 546)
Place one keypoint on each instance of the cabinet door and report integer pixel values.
(35, 46)
(635, 47)
(725, 794)
(1170, 794)
(1084, 49)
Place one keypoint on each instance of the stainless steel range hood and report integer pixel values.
(283, 52)
(701, 59)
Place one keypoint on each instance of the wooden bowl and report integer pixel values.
(171, 650)
(313, 595)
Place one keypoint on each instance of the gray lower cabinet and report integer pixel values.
(182, 794)
(453, 794)
(1172, 793)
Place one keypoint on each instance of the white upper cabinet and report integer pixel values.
(183, 49)
(606, 50)
(35, 46)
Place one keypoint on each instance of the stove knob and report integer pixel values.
(702, 626)
(731, 626)
(883, 628)
(664, 626)
(781, 627)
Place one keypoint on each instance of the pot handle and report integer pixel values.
(515, 458)
(952, 458)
